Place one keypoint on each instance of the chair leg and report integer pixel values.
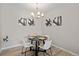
(47, 53)
(44, 53)
(22, 50)
(25, 51)
(51, 51)
(33, 55)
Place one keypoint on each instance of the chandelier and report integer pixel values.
(37, 14)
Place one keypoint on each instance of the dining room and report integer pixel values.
(39, 29)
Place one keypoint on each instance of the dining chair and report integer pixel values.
(26, 43)
(46, 46)
(42, 42)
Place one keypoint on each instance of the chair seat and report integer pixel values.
(42, 47)
(28, 45)
(47, 45)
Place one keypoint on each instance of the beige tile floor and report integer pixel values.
(17, 52)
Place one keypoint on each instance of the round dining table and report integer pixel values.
(37, 39)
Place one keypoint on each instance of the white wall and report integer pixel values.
(67, 35)
(0, 27)
(10, 15)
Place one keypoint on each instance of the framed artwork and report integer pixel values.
(31, 21)
(23, 21)
(48, 22)
(58, 20)
(5, 39)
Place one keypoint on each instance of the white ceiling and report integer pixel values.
(43, 7)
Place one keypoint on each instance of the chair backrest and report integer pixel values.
(47, 44)
(48, 38)
(25, 41)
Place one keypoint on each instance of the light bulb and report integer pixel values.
(42, 14)
(38, 13)
(38, 16)
(32, 14)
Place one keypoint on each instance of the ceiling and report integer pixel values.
(42, 7)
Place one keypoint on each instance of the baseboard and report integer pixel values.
(74, 54)
(5, 48)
